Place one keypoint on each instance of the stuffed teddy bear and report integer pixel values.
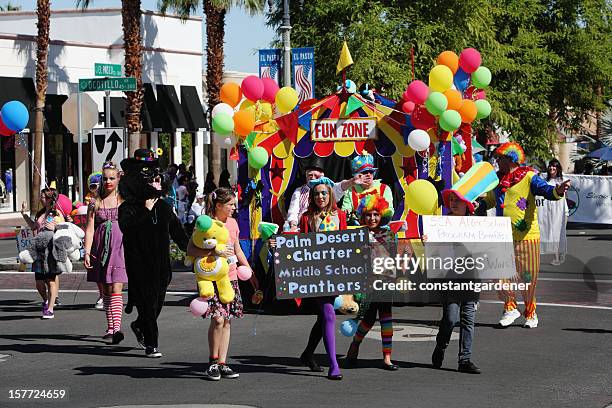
(349, 306)
(211, 234)
(39, 249)
(67, 245)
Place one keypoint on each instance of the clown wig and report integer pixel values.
(513, 151)
(375, 202)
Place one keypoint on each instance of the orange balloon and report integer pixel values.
(468, 111)
(231, 94)
(244, 122)
(454, 99)
(450, 59)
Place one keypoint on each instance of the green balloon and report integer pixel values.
(258, 157)
(481, 78)
(483, 108)
(450, 120)
(436, 103)
(223, 124)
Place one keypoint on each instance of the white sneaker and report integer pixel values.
(509, 317)
(99, 304)
(531, 323)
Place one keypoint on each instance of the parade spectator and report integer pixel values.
(553, 218)
(104, 250)
(209, 184)
(93, 181)
(182, 197)
(224, 179)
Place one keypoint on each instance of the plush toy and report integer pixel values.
(39, 249)
(211, 234)
(66, 245)
(349, 305)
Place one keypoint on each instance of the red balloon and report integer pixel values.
(408, 106)
(421, 119)
(270, 89)
(5, 131)
(474, 93)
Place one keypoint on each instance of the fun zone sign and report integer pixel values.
(339, 130)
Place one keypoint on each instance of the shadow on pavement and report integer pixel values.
(596, 331)
(186, 370)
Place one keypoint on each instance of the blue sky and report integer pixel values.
(244, 34)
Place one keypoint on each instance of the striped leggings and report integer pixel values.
(386, 324)
(527, 258)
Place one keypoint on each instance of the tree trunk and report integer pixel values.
(215, 32)
(43, 11)
(131, 16)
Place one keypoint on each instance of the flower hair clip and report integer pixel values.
(213, 195)
(109, 165)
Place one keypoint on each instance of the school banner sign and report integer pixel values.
(302, 61)
(590, 199)
(270, 64)
(340, 130)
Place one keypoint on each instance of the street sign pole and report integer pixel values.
(107, 121)
(80, 159)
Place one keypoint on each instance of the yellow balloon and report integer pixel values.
(422, 197)
(247, 105)
(286, 99)
(265, 111)
(440, 78)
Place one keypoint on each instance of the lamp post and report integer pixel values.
(286, 33)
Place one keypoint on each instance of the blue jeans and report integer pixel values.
(463, 313)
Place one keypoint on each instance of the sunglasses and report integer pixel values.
(368, 172)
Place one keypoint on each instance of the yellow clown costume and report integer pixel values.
(514, 197)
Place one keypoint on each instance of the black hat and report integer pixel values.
(316, 163)
(142, 158)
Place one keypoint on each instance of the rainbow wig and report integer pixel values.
(513, 151)
(378, 203)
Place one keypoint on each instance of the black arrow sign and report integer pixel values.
(115, 140)
(99, 139)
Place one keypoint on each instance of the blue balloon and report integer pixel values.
(348, 327)
(338, 302)
(15, 115)
(461, 80)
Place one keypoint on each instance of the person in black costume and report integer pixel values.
(147, 223)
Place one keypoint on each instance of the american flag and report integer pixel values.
(303, 82)
(270, 72)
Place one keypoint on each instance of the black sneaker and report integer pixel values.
(118, 337)
(308, 360)
(437, 357)
(213, 372)
(138, 334)
(468, 367)
(227, 372)
(153, 352)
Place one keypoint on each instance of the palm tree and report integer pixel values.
(43, 12)
(215, 11)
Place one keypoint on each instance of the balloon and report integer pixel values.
(422, 197)
(64, 205)
(82, 210)
(421, 119)
(474, 93)
(408, 106)
(247, 105)
(258, 157)
(440, 78)
(338, 302)
(244, 122)
(231, 94)
(230, 141)
(222, 108)
(351, 87)
(481, 78)
(223, 124)
(406, 96)
(454, 99)
(436, 103)
(15, 116)
(469, 60)
(417, 92)
(468, 111)
(483, 107)
(461, 80)
(419, 140)
(348, 327)
(450, 120)
(252, 88)
(480, 94)
(244, 273)
(270, 89)
(198, 306)
(286, 99)
(450, 59)
(5, 131)
(266, 111)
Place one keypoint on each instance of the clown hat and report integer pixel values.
(479, 179)
(363, 162)
(513, 151)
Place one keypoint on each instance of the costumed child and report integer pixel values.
(93, 182)
(45, 271)
(147, 223)
(104, 250)
(323, 215)
(514, 197)
(221, 206)
(374, 212)
(553, 218)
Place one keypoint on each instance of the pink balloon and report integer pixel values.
(408, 106)
(474, 93)
(270, 89)
(244, 273)
(252, 88)
(64, 205)
(198, 306)
(405, 96)
(469, 60)
(417, 92)
(421, 119)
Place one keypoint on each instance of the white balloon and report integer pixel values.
(223, 108)
(419, 140)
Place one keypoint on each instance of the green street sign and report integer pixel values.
(107, 70)
(107, 84)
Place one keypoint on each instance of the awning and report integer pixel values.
(192, 107)
(22, 90)
(170, 109)
(53, 114)
(118, 110)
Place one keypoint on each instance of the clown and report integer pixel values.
(362, 167)
(514, 197)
